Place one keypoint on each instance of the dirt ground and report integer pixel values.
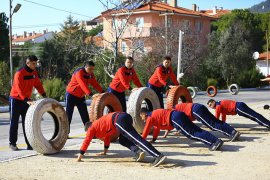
(248, 158)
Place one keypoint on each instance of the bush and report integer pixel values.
(250, 79)
(212, 82)
(4, 79)
(55, 88)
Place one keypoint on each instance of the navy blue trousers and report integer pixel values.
(243, 110)
(17, 108)
(182, 124)
(71, 102)
(121, 96)
(130, 138)
(159, 92)
(202, 114)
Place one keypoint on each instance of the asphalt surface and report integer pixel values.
(254, 98)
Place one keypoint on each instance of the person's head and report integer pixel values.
(211, 103)
(143, 113)
(89, 66)
(31, 62)
(167, 60)
(129, 62)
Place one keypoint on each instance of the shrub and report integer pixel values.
(250, 79)
(212, 82)
(55, 88)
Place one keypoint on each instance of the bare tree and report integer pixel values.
(117, 17)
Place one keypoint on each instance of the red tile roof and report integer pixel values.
(263, 56)
(160, 7)
(24, 39)
(218, 14)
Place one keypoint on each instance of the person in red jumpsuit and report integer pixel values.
(121, 82)
(120, 122)
(25, 79)
(158, 80)
(168, 119)
(229, 107)
(78, 88)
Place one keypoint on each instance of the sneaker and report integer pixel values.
(139, 155)
(159, 160)
(29, 148)
(216, 145)
(13, 147)
(235, 136)
(87, 125)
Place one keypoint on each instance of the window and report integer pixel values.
(140, 22)
(199, 26)
(185, 25)
(139, 46)
(124, 46)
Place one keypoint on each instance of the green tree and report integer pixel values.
(4, 78)
(67, 50)
(230, 53)
(4, 37)
(95, 31)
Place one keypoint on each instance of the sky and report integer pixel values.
(34, 17)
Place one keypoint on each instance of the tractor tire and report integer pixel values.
(211, 88)
(98, 105)
(33, 126)
(176, 93)
(134, 105)
(234, 89)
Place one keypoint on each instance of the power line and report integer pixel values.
(70, 12)
(34, 26)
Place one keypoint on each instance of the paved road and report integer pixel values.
(253, 98)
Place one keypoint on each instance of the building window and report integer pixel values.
(139, 46)
(139, 22)
(199, 26)
(124, 46)
(186, 24)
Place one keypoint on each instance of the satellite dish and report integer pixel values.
(256, 55)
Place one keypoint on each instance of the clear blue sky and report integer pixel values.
(32, 14)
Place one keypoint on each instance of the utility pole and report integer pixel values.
(166, 28)
(179, 55)
(267, 52)
(16, 9)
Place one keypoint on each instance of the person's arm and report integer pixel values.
(217, 111)
(166, 134)
(161, 78)
(155, 134)
(223, 117)
(107, 142)
(147, 128)
(136, 80)
(89, 136)
(39, 87)
(96, 85)
(79, 78)
(173, 77)
(123, 79)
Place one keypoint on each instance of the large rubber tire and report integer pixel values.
(193, 91)
(134, 105)
(232, 87)
(98, 105)
(211, 88)
(176, 93)
(33, 126)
